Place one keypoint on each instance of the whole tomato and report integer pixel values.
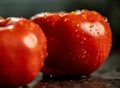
(78, 43)
(22, 51)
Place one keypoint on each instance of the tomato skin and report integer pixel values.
(78, 44)
(47, 21)
(22, 51)
(83, 51)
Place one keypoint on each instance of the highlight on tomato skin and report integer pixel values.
(79, 42)
(23, 49)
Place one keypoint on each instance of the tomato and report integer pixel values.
(78, 43)
(22, 51)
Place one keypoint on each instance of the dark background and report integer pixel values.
(110, 71)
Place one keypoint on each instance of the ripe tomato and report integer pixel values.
(78, 43)
(22, 51)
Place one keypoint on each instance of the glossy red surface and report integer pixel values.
(78, 42)
(22, 51)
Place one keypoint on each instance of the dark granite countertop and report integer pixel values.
(88, 82)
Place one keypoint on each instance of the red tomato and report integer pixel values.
(22, 51)
(78, 43)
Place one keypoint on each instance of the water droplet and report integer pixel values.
(76, 12)
(63, 13)
(83, 56)
(84, 39)
(91, 26)
(85, 52)
(78, 36)
(83, 32)
(82, 42)
(76, 30)
(94, 12)
(106, 19)
(53, 23)
(66, 19)
(83, 49)
(84, 16)
(78, 25)
(98, 33)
